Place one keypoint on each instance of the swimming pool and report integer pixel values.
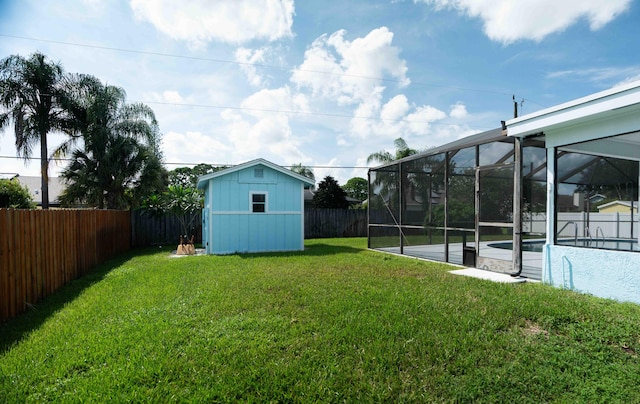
(604, 244)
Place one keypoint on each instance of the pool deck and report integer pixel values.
(531, 261)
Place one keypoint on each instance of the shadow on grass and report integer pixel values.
(14, 330)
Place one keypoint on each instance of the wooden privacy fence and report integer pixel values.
(41, 250)
(147, 230)
(322, 223)
(318, 223)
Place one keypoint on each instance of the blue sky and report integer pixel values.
(326, 83)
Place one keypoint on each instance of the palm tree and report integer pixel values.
(30, 94)
(402, 150)
(388, 185)
(119, 161)
(303, 170)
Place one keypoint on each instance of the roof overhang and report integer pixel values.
(608, 113)
(202, 181)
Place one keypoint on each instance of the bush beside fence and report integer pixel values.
(41, 250)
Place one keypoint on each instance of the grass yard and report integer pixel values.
(334, 323)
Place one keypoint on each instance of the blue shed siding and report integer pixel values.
(232, 226)
(231, 195)
(253, 233)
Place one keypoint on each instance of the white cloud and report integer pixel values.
(247, 59)
(350, 72)
(193, 147)
(601, 75)
(458, 111)
(629, 79)
(170, 96)
(507, 21)
(265, 102)
(395, 109)
(233, 21)
(396, 118)
(263, 129)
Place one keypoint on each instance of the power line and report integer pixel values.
(287, 68)
(60, 159)
(372, 118)
(458, 88)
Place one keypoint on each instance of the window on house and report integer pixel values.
(258, 172)
(258, 203)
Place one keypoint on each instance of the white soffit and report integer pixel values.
(606, 113)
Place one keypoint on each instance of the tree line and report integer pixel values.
(113, 147)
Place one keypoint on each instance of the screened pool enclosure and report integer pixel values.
(482, 202)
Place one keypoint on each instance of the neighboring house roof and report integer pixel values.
(205, 178)
(626, 204)
(597, 198)
(33, 184)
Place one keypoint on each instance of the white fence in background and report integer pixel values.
(607, 225)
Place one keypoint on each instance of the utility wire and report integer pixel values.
(59, 159)
(372, 118)
(293, 69)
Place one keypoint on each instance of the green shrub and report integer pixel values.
(14, 195)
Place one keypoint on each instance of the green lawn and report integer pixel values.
(335, 323)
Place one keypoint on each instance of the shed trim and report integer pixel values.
(205, 178)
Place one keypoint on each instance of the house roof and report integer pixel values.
(609, 120)
(205, 178)
(33, 184)
(623, 203)
(582, 109)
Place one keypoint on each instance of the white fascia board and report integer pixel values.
(601, 105)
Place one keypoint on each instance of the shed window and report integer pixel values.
(258, 173)
(258, 203)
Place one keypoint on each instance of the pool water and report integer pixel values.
(606, 244)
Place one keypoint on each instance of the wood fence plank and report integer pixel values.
(37, 237)
(11, 260)
(51, 243)
(55, 241)
(21, 272)
(69, 239)
(43, 250)
(4, 266)
(28, 253)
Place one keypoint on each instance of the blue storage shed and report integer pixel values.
(257, 206)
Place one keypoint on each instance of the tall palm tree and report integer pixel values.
(303, 170)
(402, 150)
(30, 93)
(119, 159)
(388, 185)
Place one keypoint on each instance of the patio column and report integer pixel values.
(517, 207)
(551, 195)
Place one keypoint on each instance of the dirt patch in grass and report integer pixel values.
(533, 329)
